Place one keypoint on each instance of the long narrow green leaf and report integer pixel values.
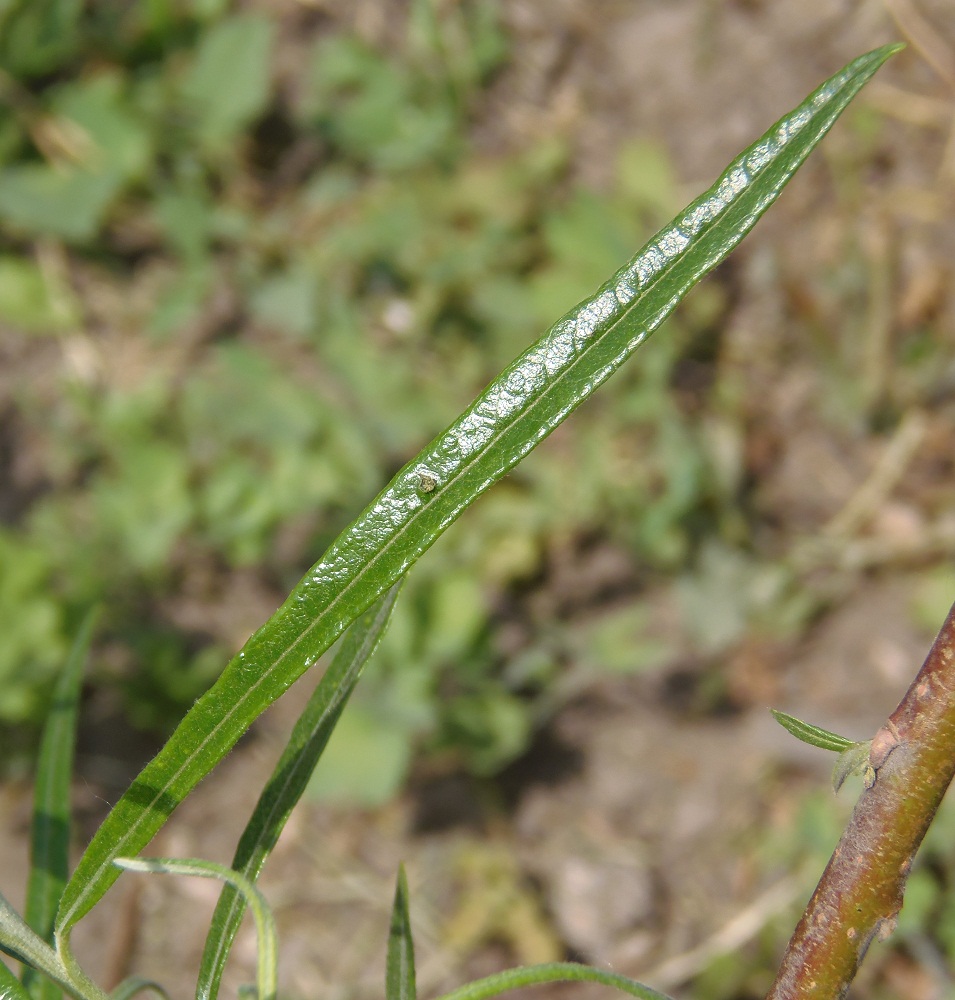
(10, 986)
(553, 972)
(267, 957)
(50, 834)
(511, 417)
(289, 779)
(399, 970)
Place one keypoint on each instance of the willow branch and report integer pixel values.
(858, 898)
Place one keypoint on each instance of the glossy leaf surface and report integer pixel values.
(511, 417)
(10, 987)
(289, 779)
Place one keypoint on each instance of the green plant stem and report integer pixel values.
(20, 941)
(266, 960)
(860, 893)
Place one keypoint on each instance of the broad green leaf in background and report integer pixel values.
(399, 968)
(109, 148)
(68, 202)
(50, 835)
(36, 36)
(32, 299)
(29, 623)
(228, 86)
(367, 762)
(510, 418)
(289, 779)
(112, 141)
(145, 502)
(289, 300)
(375, 111)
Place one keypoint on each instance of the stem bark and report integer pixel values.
(858, 898)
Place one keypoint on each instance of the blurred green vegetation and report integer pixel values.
(377, 270)
(248, 265)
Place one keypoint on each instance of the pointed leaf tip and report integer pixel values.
(400, 971)
(815, 736)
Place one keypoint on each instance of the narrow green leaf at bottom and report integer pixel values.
(510, 418)
(10, 986)
(399, 969)
(289, 780)
(50, 830)
(552, 972)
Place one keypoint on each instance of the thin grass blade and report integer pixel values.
(267, 956)
(399, 969)
(50, 833)
(553, 972)
(510, 418)
(289, 779)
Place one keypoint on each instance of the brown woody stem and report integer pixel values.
(858, 898)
